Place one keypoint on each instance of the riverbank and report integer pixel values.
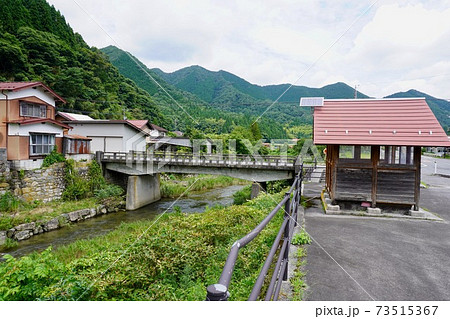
(29, 219)
(10, 237)
(172, 259)
(175, 185)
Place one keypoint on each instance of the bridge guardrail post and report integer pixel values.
(287, 215)
(217, 292)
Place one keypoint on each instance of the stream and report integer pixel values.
(100, 225)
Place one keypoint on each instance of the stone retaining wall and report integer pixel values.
(43, 184)
(4, 172)
(25, 231)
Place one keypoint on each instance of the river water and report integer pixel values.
(99, 225)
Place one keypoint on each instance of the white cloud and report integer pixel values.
(395, 46)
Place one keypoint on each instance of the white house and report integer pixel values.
(108, 135)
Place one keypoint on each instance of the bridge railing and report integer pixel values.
(201, 159)
(289, 204)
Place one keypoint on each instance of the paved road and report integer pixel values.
(358, 258)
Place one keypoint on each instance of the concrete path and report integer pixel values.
(359, 258)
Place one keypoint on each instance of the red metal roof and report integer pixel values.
(138, 123)
(17, 86)
(40, 120)
(407, 122)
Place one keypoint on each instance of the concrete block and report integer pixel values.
(417, 213)
(374, 210)
(333, 208)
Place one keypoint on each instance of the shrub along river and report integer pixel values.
(194, 202)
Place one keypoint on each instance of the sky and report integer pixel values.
(382, 47)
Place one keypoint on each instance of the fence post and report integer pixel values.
(217, 292)
(287, 208)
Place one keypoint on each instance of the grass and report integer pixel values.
(43, 211)
(297, 281)
(175, 259)
(175, 187)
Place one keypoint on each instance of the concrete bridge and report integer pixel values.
(140, 170)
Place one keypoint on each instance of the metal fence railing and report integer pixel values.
(289, 204)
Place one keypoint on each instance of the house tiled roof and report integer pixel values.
(40, 120)
(407, 122)
(158, 128)
(17, 86)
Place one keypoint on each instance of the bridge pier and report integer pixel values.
(257, 187)
(142, 190)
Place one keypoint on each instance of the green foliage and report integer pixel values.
(37, 277)
(9, 202)
(96, 180)
(174, 261)
(176, 188)
(297, 281)
(242, 196)
(277, 186)
(52, 158)
(6, 222)
(76, 186)
(9, 243)
(108, 191)
(301, 238)
(36, 44)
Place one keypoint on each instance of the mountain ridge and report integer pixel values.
(230, 93)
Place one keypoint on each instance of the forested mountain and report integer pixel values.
(36, 44)
(440, 107)
(222, 87)
(224, 96)
(207, 118)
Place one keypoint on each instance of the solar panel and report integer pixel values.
(311, 101)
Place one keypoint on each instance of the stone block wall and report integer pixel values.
(44, 184)
(4, 172)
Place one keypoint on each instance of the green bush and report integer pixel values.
(243, 195)
(76, 186)
(108, 191)
(52, 158)
(277, 186)
(9, 202)
(96, 179)
(37, 277)
(301, 238)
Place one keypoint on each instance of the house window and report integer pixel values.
(346, 151)
(33, 110)
(402, 155)
(41, 144)
(366, 152)
(354, 152)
